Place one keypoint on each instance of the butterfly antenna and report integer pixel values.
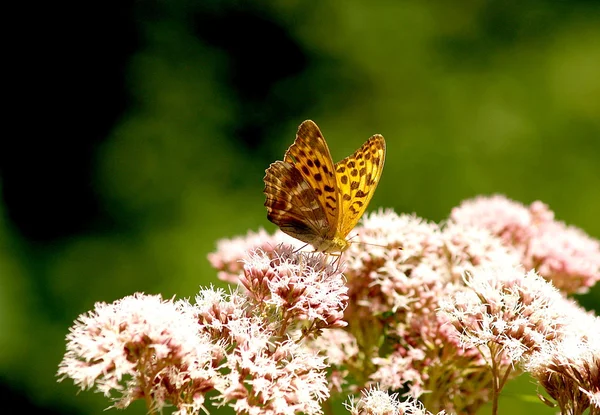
(337, 261)
(365, 243)
(300, 249)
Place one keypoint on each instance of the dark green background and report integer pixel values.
(147, 126)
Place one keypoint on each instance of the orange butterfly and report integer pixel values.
(316, 201)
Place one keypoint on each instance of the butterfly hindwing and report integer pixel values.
(357, 178)
(292, 203)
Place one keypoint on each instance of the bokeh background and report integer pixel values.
(147, 127)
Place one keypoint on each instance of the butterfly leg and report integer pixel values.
(336, 261)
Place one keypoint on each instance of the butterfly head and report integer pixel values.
(334, 245)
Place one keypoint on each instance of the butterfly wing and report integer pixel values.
(357, 178)
(292, 203)
(311, 156)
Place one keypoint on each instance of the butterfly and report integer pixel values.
(316, 201)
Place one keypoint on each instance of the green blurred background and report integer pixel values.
(147, 127)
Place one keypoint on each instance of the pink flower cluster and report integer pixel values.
(402, 271)
(395, 295)
(569, 370)
(301, 287)
(518, 319)
(144, 347)
(248, 350)
(562, 254)
(228, 258)
(444, 313)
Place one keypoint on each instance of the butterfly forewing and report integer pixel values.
(357, 178)
(311, 156)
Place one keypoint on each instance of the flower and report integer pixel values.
(263, 370)
(569, 368)
(506, 307)
(282, 378)
(429, 308)
(511, 221)
(302, 286)
(520, 319)
(562, 254)
(375, 401)
(143, 346)
(227, 259)
(174, 353)
(566, 256)
(395, 292)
